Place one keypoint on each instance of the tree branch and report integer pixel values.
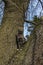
(13, 3)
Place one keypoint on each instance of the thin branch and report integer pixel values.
(31, 22)
(41, 4)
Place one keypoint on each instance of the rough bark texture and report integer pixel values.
(32, 52)
(34, 55)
